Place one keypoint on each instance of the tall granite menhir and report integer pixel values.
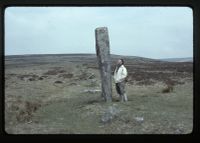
(103, 57)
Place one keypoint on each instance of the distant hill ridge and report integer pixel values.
(89, 55)
(187, 59)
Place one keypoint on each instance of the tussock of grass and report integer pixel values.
(168, 89)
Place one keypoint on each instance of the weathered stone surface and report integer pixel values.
(103, 57)
(110, 114)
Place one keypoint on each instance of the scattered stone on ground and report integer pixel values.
(91, 91)
(139, 119)
(110, 114)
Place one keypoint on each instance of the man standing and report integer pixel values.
(120, 74)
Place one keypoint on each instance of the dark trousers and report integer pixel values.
(120, 87)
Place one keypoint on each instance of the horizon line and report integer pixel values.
(94, 54)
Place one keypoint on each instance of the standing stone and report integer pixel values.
(103, 57)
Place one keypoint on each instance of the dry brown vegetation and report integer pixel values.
(54, 72)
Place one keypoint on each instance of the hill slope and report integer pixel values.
(189, 59)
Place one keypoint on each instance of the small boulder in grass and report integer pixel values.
(139, 119)
(110, 114)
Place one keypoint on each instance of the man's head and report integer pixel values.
(120, 62)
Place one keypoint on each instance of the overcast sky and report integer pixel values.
(153, 32)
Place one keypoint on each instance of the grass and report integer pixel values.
(44, 107)
(75, 112)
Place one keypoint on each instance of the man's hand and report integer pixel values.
(122, 79)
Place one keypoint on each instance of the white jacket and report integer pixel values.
(120, 74)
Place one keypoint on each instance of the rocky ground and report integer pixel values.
(60, 94)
